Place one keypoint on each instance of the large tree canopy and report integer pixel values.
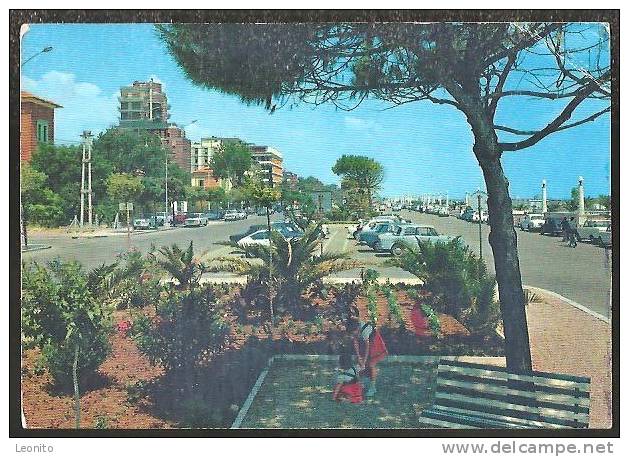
(475, 68)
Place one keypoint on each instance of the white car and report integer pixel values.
(532, 222)
(261, 237)
(591, 230)
(234, 215)
(196, 220)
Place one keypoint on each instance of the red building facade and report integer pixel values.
(175, 138)
(37, 123)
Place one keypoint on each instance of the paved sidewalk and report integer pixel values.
(565, 339)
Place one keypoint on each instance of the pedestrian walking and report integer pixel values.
(572, 233)
(565, 228)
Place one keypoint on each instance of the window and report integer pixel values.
(259, 236)
(42, 131)
(409, 231)
(201, 182)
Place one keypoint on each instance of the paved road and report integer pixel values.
(582, 274)
(92, 252)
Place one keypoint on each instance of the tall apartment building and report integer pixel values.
(144, 106)
(271, 161)
(37, 123)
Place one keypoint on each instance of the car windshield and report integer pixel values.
(537, 218)
(432, 232)
(599, 223)
(383, 228)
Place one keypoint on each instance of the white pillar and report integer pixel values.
(184, 206)
(544, 198)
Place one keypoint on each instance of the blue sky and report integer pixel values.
(423, 147)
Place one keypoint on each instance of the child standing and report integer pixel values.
(369, 348)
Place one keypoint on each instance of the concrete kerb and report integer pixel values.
(35, 247)
(570, 302)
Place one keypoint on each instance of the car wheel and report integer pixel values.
(397, 250)
(600, 241)
(578, 237)
(592, 239)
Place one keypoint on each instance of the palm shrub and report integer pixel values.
(456, 279)
(295, 266)
(189, 324)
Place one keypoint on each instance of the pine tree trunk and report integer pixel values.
(504, 244)
(75, 381)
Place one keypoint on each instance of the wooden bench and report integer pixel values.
(471, 395)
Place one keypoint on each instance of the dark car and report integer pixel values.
(551, 227)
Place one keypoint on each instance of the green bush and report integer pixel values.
(60, 311)
(457, 280)
(189, 326)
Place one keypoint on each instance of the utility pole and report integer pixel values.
(480, 230)
(86, 159)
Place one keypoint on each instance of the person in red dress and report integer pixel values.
(370, 349)
(347, 388)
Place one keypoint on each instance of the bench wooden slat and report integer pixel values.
(494, 374)
(442, 423)
(558, 401)
(468, 421)
(498, 418)
(475, 395)
(538, 374)
(513, 410)
(505, 383)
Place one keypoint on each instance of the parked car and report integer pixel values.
(142, 224)
(467, 214)
(287, 229)
(605, 238)
(214, 215)
(408, 235)
(180, 218)
(371, 237)
(196, 220)
(364, 226)
(397, 208)
(160, 217)
(551, 226)
(260, 237)
(591, 230)
(234, 215)
(532, 222)
(156, 221)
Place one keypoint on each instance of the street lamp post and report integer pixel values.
(22, 210)
(46, 49)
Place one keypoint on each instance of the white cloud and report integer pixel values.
(85, 106)
(196, 131)
(358, 123)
